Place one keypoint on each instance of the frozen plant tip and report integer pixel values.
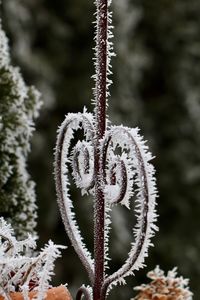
(20, 271)
(112, 164)
(163, 287)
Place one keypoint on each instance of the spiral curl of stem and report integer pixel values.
(83, 166)
(83, 292)
(71, 123)
(139, 162)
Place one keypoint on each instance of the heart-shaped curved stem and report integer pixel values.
(99, 169)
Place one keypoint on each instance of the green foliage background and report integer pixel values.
(156, 87)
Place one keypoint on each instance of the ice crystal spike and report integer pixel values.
(112, 164)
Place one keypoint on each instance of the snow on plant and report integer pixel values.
(161, 287)
(20, 271)
(112, 164)
(19, 105)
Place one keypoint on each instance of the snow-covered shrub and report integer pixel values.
(19, 106)
(112, 164)
(161, 287)
(19, 270)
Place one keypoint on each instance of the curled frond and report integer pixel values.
(83, 166)
(140, 174)
(118, 178)
(82, 169)
(84, 293)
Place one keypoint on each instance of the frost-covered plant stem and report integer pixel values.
(100, 116)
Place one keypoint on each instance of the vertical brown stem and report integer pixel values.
(100, 110)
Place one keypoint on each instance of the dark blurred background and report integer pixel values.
(156, 87)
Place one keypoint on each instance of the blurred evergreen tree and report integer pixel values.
(156, 87)
(53, 45)
(19, 105)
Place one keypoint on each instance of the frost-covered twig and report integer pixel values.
(111, 165)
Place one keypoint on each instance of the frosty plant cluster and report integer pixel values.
(19, 269)
(112, 164)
